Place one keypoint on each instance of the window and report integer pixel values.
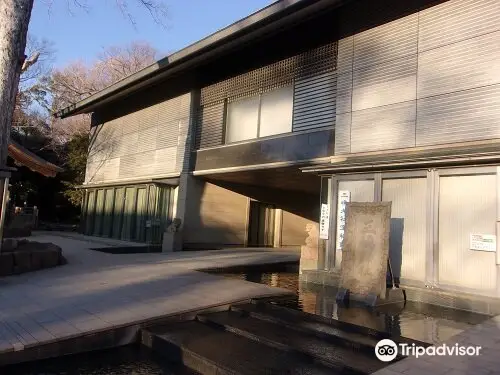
(262, 116)
(242, 120)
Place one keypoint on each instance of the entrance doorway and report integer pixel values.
(261, 224)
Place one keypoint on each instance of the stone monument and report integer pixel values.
(309, 251)
(172, 240)
(365, 255)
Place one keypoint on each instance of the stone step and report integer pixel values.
(360, 337)
(303, 344)
(292, 319)
(211, 351)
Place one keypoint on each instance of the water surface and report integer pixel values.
(130, 360)
(418, 321)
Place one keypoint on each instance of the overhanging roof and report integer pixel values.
(273, 17)
(23, 156)
(476, 153)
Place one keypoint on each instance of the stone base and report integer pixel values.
(26, 256)
(396, 295)
(308, 264)
(392, 295)
(172, 241)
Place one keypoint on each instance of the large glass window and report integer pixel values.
(242, 119)
(276, 108)
(262, 116)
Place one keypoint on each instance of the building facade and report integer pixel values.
(250, 134)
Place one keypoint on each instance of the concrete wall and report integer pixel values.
(148, 142)
(432, 77)
(293, 230)
(214, 216)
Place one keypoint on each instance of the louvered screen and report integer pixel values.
(209, 130)
(314, 102)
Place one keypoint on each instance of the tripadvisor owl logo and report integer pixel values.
(386, 350)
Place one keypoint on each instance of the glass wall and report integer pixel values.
(138, 213)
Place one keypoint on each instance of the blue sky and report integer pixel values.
(80, 34)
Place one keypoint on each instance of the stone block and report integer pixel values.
(6, 264)
(366, 248)
(22, 261)
(172, 241)
(9, 245)
(309, 252)
(49, 258)
(36, 260)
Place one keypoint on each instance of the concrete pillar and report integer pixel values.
(172, 238)
(277, 227)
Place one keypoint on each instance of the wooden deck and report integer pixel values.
(97, 291)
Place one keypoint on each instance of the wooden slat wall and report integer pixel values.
(151, 142)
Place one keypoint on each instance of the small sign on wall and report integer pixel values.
(483, 242)
(324, 221)
(344, 197)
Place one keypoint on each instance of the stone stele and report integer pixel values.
(309, 251)
(366, 249)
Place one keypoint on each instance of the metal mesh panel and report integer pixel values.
(272, 76)
(210, 118)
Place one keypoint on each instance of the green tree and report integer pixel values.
(76, 162)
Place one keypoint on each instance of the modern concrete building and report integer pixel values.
(261, 128)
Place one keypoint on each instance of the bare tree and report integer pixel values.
(77, 81)
(14, 19)
(45, 51)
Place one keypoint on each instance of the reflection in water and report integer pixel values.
(418, 321)
(130, 360)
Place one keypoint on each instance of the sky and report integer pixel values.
(82, 33)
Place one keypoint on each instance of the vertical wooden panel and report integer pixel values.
(408, 197)
(129, 213)
(90, 213)
(118, 212)
(467, 205)
(109, 199)
(98, 218)
(140, 215)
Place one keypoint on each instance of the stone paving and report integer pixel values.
(96, 291)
